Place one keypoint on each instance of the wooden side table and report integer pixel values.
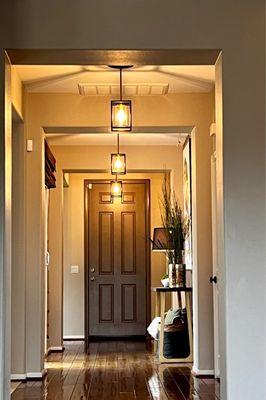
(160, 311)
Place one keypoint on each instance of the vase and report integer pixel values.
(177, 275)
(180, 275)
(172, 275)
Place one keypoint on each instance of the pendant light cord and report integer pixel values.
(121, 87)
(118, 144)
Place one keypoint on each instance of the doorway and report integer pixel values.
(117, 260)
(35, 272)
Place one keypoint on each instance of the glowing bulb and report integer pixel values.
(121, 116)
(118, 164)
(116, 189)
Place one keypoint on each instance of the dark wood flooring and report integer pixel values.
(115, 370)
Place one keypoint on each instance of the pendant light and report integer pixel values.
(121, 112)
(118, 161)
(116, 188)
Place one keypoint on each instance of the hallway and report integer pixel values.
(114, 370)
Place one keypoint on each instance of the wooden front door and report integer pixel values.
(117, 259)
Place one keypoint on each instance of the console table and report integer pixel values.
(160, 311)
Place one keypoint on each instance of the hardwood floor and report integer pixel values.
(114, 370)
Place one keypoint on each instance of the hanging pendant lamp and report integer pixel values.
(121, 111)
(116, 188)
(118, 161)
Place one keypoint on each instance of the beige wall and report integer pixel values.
(16, 92)
(142, 158)
(180, 110)
(224, 25)
(18, 288)
(74, 245)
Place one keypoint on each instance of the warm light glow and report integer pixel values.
(118, 163)
(116, 189)
(121, 115)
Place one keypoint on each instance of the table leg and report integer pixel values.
(189, 321)
(157, 314)
(161, 340)
(179, 300)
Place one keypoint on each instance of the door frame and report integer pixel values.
(146, 182)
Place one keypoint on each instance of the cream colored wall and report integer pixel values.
(16, 92)
(223, 25)
(74, 110)
(142, 158)
(74, 245)
(18, 287)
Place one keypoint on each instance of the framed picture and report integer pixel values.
(187, 207)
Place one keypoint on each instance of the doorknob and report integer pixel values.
(213, 279)
(92, 278)
(92, 269)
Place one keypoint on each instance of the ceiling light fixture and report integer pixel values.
(118, 161)
(121, 111)
(116, 188)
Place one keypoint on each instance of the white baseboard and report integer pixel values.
(18, 377)
(55, 348)
(74, 337)
(36, 375)
(197, 371)
(28, 375)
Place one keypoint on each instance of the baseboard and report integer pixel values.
(202, 372)
(36, 376)
(28, 376)
(55, 349)
(18, 377)
(74, 337)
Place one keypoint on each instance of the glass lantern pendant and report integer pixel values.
(118, 164)
(118, 161)
(116, 188)
(121, 112)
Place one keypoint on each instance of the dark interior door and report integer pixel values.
(117, 260)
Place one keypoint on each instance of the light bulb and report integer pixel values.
(121, 116)
(118, 164)
(116, 189)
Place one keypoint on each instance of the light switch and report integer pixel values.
(74, 269)
(29, 145)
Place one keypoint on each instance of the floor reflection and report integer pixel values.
(115, 370)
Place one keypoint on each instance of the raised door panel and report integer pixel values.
(128, 303)
(106, 243)
(128, 243)
(106, 303)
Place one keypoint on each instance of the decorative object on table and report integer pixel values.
(187, 207)
(165, 280)
(177, 227)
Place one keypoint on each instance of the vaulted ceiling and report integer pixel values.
(102, 80)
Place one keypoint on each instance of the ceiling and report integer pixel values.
(102, 80)
(109, 139)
